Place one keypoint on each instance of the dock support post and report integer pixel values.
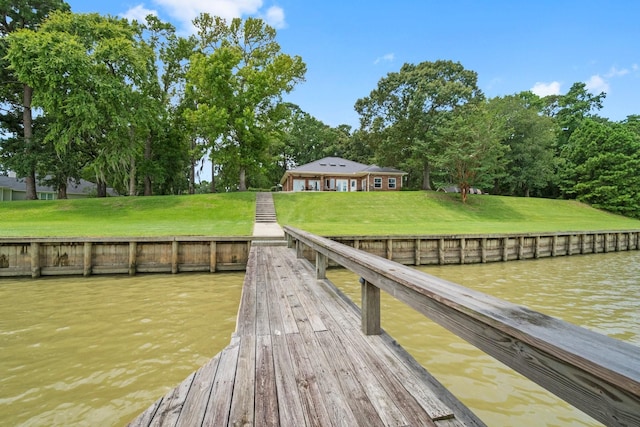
(463, 249)
(417, 243)
(536, 249)
(133, 258)
(569, 244)
(441, 251)
(174, 257)
(618, 239)
(554, 245)
(321, 266)
(390, 249)
(356, 244)
(370, 308)
(86, 271)
(213, 259)
(35, 260)
(505, 249)
(483, 250)
(521, 247)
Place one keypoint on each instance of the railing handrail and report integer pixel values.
(595, 373)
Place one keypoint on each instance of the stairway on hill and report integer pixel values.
(265, 209)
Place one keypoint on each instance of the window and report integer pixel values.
(377, 182)
(392, 183)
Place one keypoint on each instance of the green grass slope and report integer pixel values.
(407, 212)
(211, 215)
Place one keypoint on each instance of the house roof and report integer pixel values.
(339, 166)
(19, 184)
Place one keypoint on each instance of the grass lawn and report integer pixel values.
(329, 214)
(419, 212)
(208, 214)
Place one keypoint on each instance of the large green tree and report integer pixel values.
(21, 149)
(602, 163)
(471, 146)
(86, 71)
(407, 109)
(236, 82)
(530, 161)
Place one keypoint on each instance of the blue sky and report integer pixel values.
(517, 45)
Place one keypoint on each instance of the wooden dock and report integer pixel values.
(298, 357)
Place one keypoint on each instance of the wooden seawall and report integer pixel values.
(298, 358)
(87, 256)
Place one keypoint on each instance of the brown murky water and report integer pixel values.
(99, 350)
(598, 292)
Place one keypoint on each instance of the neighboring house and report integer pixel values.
(337, 174)
(12, 188)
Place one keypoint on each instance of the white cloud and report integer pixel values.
(597, 84)
(389, 57)
(186, 10)
(614, 72)
(275, 17)
(546, 89)
(138, 13)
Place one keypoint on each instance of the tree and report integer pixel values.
(602, 166)
(16, 95)
(530, 161)
(86, 71)
(236, 82)
(471, 146)
(407, 109)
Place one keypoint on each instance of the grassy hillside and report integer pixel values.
(433, 213)
(323, 213)
(211, 214)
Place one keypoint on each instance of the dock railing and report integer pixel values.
(597, 374)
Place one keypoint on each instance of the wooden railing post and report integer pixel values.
(299, 249)
(370, 308)
(321, 266)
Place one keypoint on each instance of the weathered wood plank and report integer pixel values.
(219, 405)
(169, 410)
(289, 402)
(242, 401)
(352, 389)
(311, 395)
(266, 402)
(195, 404)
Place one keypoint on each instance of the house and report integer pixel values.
(337, 174)
(12, 188)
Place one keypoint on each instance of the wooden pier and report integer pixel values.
(298, 357)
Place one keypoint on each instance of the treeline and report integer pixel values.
(136, 107)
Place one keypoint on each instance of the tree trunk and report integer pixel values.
(148, 187)
(464, 191)
(192, 177)
(132, 177)
(213, 176)
(426, 176)
(27, 123)
(62, 191)
(102, 188)
(243, 179)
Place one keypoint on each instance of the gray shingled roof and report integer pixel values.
(19, 184)
(331, 164)
(341, 166)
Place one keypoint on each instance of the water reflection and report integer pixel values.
(100, 350)
(599, 292)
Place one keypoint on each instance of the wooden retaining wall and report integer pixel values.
(88, 256)
(470, 249)
(60, 256)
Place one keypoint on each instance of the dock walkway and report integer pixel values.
(298, 357)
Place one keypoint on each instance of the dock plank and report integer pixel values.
(194, 408)
(218, 407)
